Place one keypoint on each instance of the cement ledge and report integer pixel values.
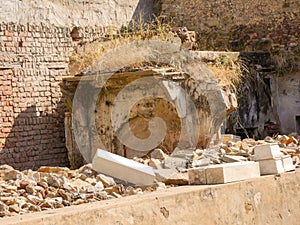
(265, 200)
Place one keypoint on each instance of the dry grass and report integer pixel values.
(286, 61)
(88, 54)
(227, 71)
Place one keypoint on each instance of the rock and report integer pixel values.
(233, 158)
(174, 162)
(181, 153)
(87, 170)
(55, 181)
(106, 180)
(78, 202)
(43, 184)
(65, 195)
(201, 162)
(14, 208)
(282, 139)
(30, 189)
(99, 185)
(155, 163)
(269, 140)
(3, 207)
(158, 154)
(291, 140)
(34, 199)
(23, 184)
(116, 195)
(171, 176)
(13, 175)
(8, 200)
(58, 170)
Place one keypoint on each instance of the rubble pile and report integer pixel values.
(57, 187)
(174, 169)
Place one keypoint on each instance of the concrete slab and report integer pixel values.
(267, 151)
(271, 166)
(287, 163)
(230, 172)
(122, 168)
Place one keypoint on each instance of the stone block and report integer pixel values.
(197, 175)
(267, 151)
(287, 163)
(230, 172)
(271, 166)
(122, 168)
(171, 176)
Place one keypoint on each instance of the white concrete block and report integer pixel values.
(230, 172)
(271, 166)
(267, 151)
(287, 162)
(122, 168)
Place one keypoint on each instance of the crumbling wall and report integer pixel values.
(238, 25)
(36, 41)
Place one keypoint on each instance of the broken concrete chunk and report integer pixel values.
(181, 153)
(122, 168)
(230, 172)
(233, 158)
(197, 175)
(158, 154)
(107, 181)
(155, 163)
(174, 162)
(267, 151)
(171, 176)
(201, 162)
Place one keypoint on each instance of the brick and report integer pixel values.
(122, 168)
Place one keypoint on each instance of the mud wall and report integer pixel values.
(238, 25)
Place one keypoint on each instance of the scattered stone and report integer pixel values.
(158, 154)
(233, 158)
(106, 180)
(174, 162)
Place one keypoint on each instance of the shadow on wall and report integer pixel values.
(36, 140)
(144, 10)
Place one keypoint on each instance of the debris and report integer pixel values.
(122, 168)
(158, 154)
(230, 172)
(233, 158)
(171, 176)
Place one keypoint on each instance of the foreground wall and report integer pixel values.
(266, 200)
(36, 40)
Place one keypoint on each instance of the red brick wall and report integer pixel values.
(33, 60)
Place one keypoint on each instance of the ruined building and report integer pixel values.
(39, 39)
